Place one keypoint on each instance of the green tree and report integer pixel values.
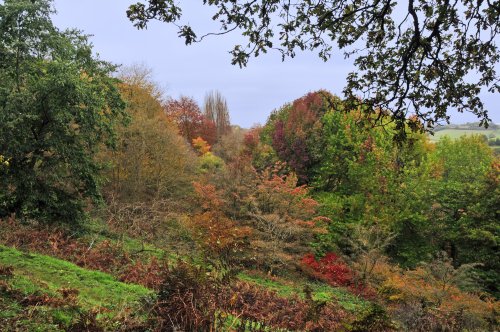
(58, 104)
(465, 205)
(416, 57)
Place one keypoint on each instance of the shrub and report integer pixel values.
(329, 268)
(217, 235)
(253, 304)
(187, 300)
(374, 318)
(150, 274)
(428, 298)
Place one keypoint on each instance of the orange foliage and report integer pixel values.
(413, 294)
(217, 234)
(279, 194)
(200, 145)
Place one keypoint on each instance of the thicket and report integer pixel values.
(391, 203)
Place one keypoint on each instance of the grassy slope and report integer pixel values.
(39, 274)
(34, 272)
(456, 133)
(320, 291)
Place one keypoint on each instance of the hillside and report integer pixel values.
(492, 133)
(42, 293)
(125, 209)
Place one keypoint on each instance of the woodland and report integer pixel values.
(124, 209)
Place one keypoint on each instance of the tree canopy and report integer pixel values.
(58, 104)
(416, 57)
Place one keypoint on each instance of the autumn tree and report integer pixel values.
(58, 106)
(150, 170)
(216, 110)
(192, 123)
(219, 237)
(418, 57)
(151, 159)
(231, 145)
(284, 217)
(293, 131)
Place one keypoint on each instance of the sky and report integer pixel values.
(251, 92)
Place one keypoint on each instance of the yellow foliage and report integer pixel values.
(150, 158)
(4, 161)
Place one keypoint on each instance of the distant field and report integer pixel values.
(456, 133)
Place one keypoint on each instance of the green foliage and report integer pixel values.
(210, 163)
(416, 58)
(465, 198)
(58, 104)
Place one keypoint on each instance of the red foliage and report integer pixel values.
(291, 138)
(186, 113)
(208, 197)
(252, 138)
(329, 268)
(208, 131)
(150, 274)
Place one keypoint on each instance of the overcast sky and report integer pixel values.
(252, 92)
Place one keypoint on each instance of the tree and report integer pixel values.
(294, 132)
(216, 111)
(219, 236)
(192, 124)
(416, 57)
(58, 105)
(465, 205)
(151, 160)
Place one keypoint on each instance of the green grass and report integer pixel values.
(456, 133)
(96, 289)
(283, 287)
(35, 274)
(320, 291)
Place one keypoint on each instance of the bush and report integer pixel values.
(187, 300)
(329, 268)
(428, 299)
